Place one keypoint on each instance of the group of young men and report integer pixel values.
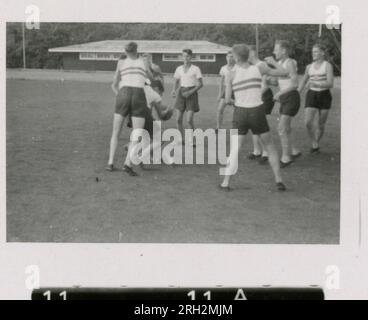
(249, 80)
(245, 84)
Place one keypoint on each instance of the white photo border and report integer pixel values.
(194, 265)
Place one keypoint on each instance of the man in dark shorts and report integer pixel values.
(188, 81)
(128, 84)
(249, 114)
(259, 151)
(289, 99)
(320, 76)
(158, 113)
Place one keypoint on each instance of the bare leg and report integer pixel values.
(310, 115)
(220, 113)
(323, 115)
(294, 150)
(156, 143)
(257, 145)
(116, 130)
(138, 125)
(284, 133)
(179, 123)
(190, 120)
(263, 148)
(232, 164)
(273, 156)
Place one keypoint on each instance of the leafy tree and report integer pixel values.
(51, 35)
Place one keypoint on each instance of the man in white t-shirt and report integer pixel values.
(188, 80)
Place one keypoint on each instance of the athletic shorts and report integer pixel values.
(148, 123)
(254, 119)
(268, 102)
(187, 104)
(319, 99)
(131, 101)
(290, 103)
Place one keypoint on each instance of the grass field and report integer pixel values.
(57, 145)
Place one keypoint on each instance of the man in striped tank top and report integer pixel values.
(289, 99)
(246, 84)
(130, 78)
(259, 152)
(318, 101)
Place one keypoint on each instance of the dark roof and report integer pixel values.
(149, 46)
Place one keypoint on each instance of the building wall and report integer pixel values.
(71, 62)
(206, 67)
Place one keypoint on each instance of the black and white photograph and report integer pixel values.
(76, 92)
(183, 150)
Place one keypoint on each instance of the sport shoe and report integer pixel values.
(109, 167)
(280, 186)
(130, 171)
(253, 156)
(263, 160)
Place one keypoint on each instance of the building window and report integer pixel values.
(172, 57)
(169, 57)
(87, 56)
(99, 56)
(196, 57)
(108, 56)
(205, 57)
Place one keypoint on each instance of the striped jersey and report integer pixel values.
(132, 73)
(247, 86)
(285, 81)
(317, 75)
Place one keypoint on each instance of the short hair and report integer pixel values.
(321, 47)
(252, 47)
(131, 47)
(230, 52)
(242, 51)
(284, 44)
(188, 51)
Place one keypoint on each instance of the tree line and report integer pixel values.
(37, 42)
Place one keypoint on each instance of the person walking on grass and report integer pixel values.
(289, 99)
(320, 76)
(259, 151)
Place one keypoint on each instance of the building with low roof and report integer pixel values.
(103, 55)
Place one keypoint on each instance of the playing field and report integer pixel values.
(57, 190)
